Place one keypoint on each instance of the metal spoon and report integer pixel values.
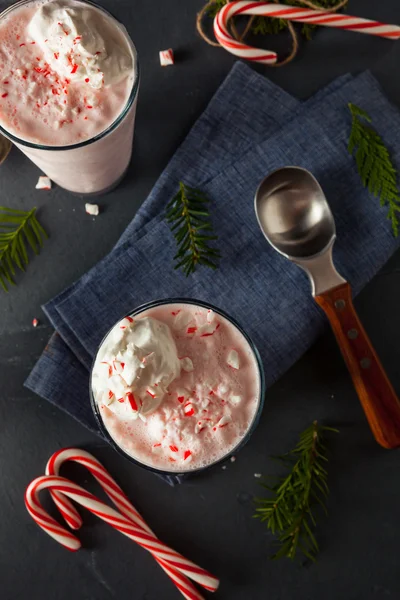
(295, 218)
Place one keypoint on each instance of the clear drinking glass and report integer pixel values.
(257, 414)
(96, 165)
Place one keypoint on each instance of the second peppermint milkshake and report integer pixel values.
(68, 87)
(177, 386)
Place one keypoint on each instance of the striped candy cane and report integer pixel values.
(128, 521)
(291, 13)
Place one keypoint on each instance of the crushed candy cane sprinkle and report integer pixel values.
(166, 57)
(92, 209)
(43, 183)
(65, 67)
(171, 396)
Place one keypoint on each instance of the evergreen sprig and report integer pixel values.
(190, 223)
(17, 230)
(267, 25)
(289, 511)
(374, 164)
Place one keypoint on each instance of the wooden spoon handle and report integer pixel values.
(377, 396)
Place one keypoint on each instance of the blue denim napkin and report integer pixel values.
(250, 128)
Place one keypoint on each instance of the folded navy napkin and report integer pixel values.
(250, 128)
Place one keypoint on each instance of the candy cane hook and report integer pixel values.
(128, 521)
(291, 13)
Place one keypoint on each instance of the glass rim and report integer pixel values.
(261, 397)
(132, 96)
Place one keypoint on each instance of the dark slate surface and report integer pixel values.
(208, 518)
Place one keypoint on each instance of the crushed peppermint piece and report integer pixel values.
(126, 322)
(44, 183)
(182, 319)
(208, 329)
(235, 399)
(166, 57)
(233, 360)
(224, 421)
(35, 322)
(223, 467)
(232, 459)
(92, 209)
(257, 475)
(186, 364)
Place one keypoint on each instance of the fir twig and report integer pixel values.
(289, 511)
(17, 228)
(190, 223)
(374, 164)
(267, 25)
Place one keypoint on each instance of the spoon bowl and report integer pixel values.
(293, 213)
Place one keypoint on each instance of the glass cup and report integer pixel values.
(257, 414)
(96, 165)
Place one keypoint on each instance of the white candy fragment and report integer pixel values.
(233, 360)
(205, 403)
(225, 420)
(208, 329)
(92, 209)
(104, 370)
(200, 425)
(233, 459)
(188, 409)
(108, 398)
(166, 57)
(210, 315)
(222, 391)
(257, 475)
(182, 319)
(156, 448)
(210, 385)
(235, 399)
(118, 366)
(44, 183)
(126, 322)
(117, 386)
(186, 364)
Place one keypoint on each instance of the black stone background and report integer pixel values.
(207, 518)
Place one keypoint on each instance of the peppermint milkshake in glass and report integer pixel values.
(69, 79)
(177, 386)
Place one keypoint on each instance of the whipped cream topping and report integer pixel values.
(81, 44)
(134, 367)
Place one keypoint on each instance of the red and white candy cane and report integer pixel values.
(291, 13)
(128, 521)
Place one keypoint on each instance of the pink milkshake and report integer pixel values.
(68, 88)
(177, 386)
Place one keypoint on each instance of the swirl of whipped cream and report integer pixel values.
(81, 43)
(138, 357)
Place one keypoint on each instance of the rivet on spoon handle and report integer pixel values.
(376, 394)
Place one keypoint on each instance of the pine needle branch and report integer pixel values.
(267, 25)
(374, 164)
(18, 228)
(289, 510)
(188, 216)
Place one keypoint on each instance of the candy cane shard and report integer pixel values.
(291, 13)
(128, 521)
